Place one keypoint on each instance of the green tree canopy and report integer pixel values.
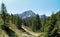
(36, 23)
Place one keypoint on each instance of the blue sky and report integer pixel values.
(38, 6)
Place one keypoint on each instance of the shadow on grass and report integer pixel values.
(8, 31)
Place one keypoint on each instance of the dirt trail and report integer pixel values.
(18, 32)
(32, 33)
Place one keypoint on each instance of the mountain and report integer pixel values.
(27, 14)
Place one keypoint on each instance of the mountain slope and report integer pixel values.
(26, 14)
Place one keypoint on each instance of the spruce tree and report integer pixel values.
(19, 22)
(52, 25)
(43, 20)
(36, 23)
(11, 17)
(4, 11)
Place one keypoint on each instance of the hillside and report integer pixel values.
(16, 32)
(28, 24)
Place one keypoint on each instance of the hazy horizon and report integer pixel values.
(38, 6)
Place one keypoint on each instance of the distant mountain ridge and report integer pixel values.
(27, 14)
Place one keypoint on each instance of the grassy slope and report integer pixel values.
(3, 33)
(27, 29)
(18, 32)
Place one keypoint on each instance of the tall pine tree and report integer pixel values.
(4, 11)
(52, 25)
(36, 23)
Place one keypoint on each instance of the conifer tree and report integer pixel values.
(52, 24)
(4, 11)
(11, 17)
(43, 20)
(36, 23)
(19, 22)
